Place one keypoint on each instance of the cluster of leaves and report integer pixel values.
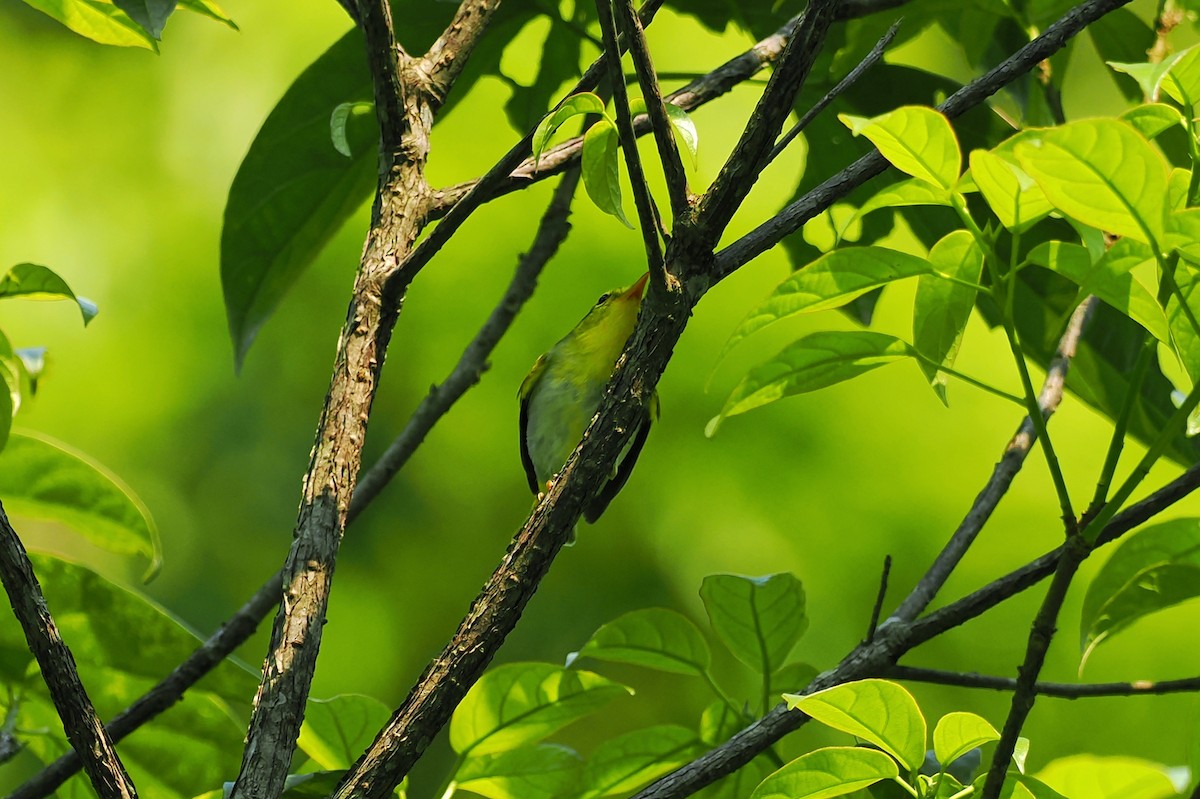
(125, 23)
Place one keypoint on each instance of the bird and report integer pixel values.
(562, 393)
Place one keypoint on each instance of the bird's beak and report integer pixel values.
(634, 292)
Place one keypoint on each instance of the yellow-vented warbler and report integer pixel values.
(563, 391)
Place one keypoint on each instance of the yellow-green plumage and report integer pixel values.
(563, 391)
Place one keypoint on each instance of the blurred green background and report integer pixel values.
(114, 171)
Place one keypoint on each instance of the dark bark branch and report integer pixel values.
(1002, 476)
(845, 83)
(649, 221)
(80, 722)
(877, 608)
(741, 170)
(664, 136)
(853, 9)
(793, 216)
(1060, 690)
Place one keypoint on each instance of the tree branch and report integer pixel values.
(79, 719)
(793, 216)
(449, 54)
(1060, 690)
(1002, 476)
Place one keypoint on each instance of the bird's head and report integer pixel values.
(609, 323)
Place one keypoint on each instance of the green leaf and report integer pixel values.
(833, 279)
(942, 307)
(656, 638)
(544, 771)
(1108, 279)
(1020, 786)
(792, 677)
(98, 20)
(337, 730)
(339, 119)
(1149, 76)
(815, 361)
(1152, 119)
(35, 282)
(719, 723)
(759, 619)
(150, 14)
(43, 479)
(293, 191)
(878, 711)
(1097, 777)
(1102, 173)
(601, 176)
(833, 771)
(1182, 80)
(627, 762)
(681, 123)
(7, 406)
(916, 140)
(1183, 227)
(905, 193)
(522, 703)
(1152, 570)
(576, 104)
(208, 8)
(1182, 309)
(1014, 197)
(959, 733)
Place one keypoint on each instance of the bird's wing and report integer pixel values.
(524, 392)
(625, 466)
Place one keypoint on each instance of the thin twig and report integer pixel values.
(1002, 475)
(650, 223)
(664, 137)
(1060, 690)
(83, 727)
(853, 9)
(845, 83)
(877, 609)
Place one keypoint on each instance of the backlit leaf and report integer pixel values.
(916, 140)
(878, 711)
(656, 638)
(759, 619)
(833, 771)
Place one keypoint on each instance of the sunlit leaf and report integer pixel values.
(916, 140)
(1097, 777)
(1151, 119)
(44, 479)
(905, 193)
(339, 119)
(1183, 312)
(1151, 570)
(657, 638)
(1182, 80)
(1021, 786)
(1013, 196)
(877, 711)
(544, 771)
(1101, 172)
(681, 123)
(337, 730)
(759, 619)
(36, 282)
(958, 733)
(522, 703)
(1149, 76)
(627, 762)
(98, 20)
(833, 771)
(942, 307)
(600, 166)
(209, 9)
(576, 104)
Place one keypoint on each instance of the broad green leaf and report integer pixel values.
(878, 711)
(958, 733)
(1151, 119)
(656, 638)
(35, 282)
(576, 104)
(337, 730)
(1151, 570)
(942, 307)
(905, 193)
(627, 762)
(544, 771)
(838, 223)
(522, 703)
(681, 123)
(1108, 280)
(833, 279)
(1103, 173)
(719, 723)
(43, 479)
(98, 20)
(815, 361)
(1020, 786)
(759, 619)
(152, 15)
(293, 191)
(339, 119)
(1183, 311)
(1097, 777)
(833, 771)
(209, 9)
(916, 140)
(1013, 196)
(601, 173)
(1149, 76)
(1183, 235)
(1182, 80)
(1178, 185)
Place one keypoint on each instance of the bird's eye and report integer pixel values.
(604, 297)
